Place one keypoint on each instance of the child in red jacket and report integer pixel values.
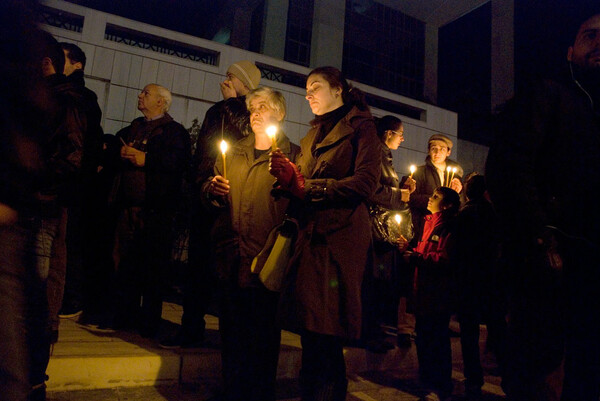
(433, 288)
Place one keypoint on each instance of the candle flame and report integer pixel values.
(398, 218)
(413, 168)
(453, 170)
(223, 146)
(271, 131)
(448, 169)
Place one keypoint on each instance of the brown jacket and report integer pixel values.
(249, 213)
(341, 173)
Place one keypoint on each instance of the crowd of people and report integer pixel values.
(87, 219)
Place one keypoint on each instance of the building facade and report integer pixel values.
(124, 55)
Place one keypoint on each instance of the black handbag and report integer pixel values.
(387, 225)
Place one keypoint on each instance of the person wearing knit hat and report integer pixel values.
(228, 119)
(242, 77)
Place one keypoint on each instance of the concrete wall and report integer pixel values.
(117, 72)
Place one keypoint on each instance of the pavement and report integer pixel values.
(92, 364)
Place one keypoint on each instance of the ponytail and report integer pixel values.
(350, 95)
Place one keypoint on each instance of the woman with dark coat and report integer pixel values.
(337, 171)
(384, 277)
(246, 215)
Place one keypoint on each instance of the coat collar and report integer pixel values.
(245, 146)
(342, 129)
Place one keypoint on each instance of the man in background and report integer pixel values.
(228, 119)
(541, 177)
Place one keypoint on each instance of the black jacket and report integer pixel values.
(541, 170)
(388, 194)
(157, 185)
(91, 119)
(228, 119)
(63, 148)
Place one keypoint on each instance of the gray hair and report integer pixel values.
(275, 99)
(166, 95)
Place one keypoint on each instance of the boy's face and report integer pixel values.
(438, 151)
(434, 203)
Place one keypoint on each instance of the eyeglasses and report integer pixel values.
(400, 133)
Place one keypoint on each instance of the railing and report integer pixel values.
(280, 75)
(61, 19)
(157, 44)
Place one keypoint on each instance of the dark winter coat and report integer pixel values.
(249, 212)
(92, 116)
(228, 119)
(540, 175)
(341, 172)
(157, 185)
(477, 252)
(63, 149)
(388, 194)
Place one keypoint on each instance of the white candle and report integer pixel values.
(453, 172)
(272, 133)
(223, 146)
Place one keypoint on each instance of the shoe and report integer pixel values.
(434, 396)
(378, 346)
(404, 340)
(69, 312)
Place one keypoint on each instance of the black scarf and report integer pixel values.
(327, 121)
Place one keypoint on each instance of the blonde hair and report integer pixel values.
(275, 99)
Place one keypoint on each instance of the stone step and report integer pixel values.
(86, 358)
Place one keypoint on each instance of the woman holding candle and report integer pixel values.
(337, 171)
(381, 292)
(433, 292)
(246, 215)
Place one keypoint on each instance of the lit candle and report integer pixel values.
(448, 169)
(398, 219)
(271, 132)
(453, 172)
(413, 168)
(223, 153)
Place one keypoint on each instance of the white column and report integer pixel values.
(430, 79)
(275, 28)
(503, 52)
(327, 43)
(94, 25)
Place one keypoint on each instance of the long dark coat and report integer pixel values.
(341, 172)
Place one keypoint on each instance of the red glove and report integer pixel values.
(287, 174)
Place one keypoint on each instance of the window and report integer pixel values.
(384, 48)
(299, 31)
